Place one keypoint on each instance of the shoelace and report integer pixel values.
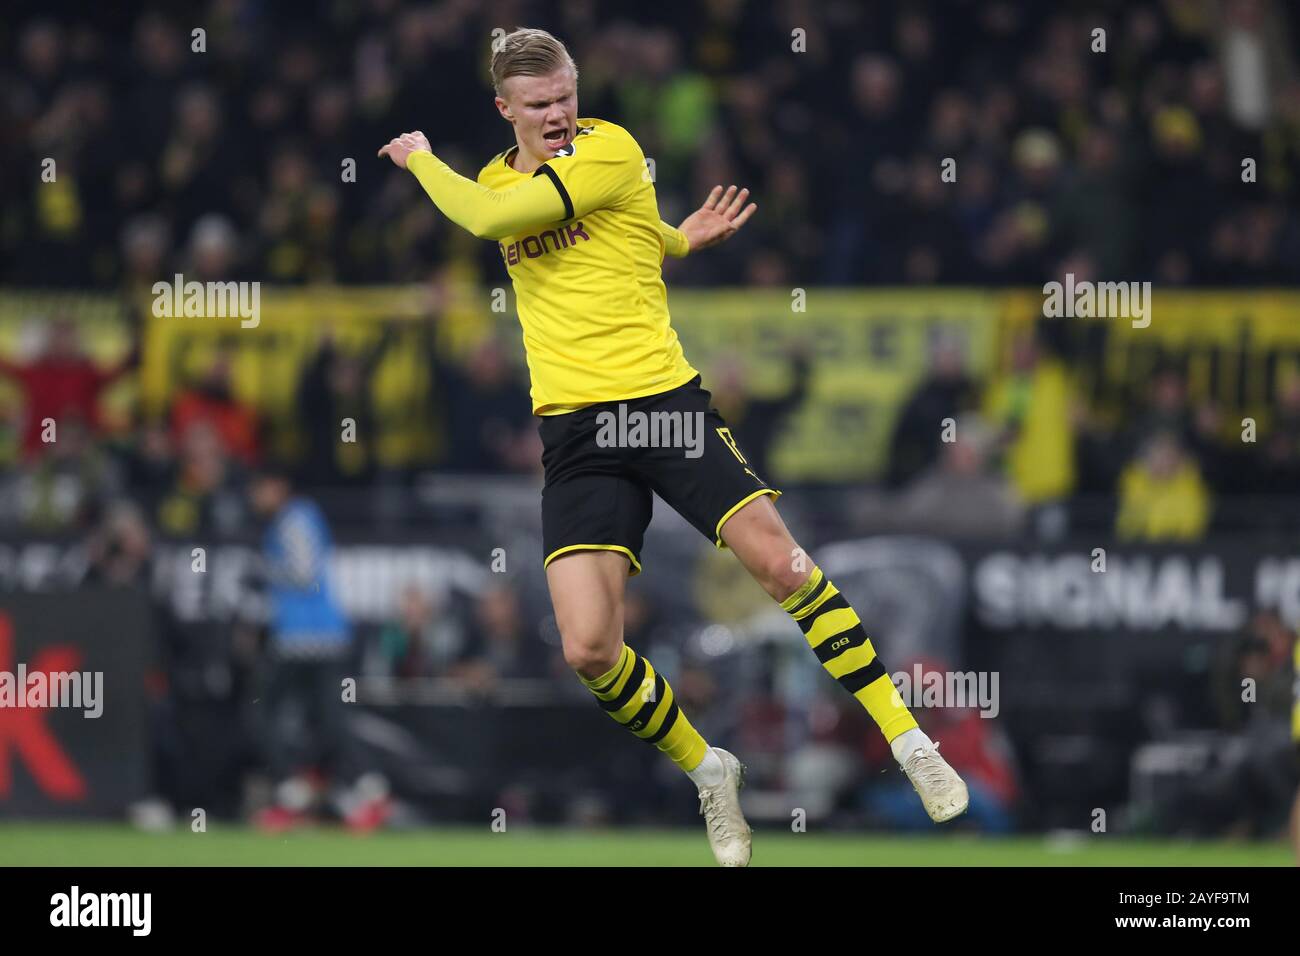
(927, 766)
(713, 815)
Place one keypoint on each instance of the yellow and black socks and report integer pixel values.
(840, 643)
(642, 701)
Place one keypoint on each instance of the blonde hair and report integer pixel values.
(528, 52)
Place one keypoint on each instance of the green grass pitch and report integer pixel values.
(36, 844)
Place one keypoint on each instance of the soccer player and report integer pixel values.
(574, 214)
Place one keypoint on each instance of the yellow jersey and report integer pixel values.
(584, 246)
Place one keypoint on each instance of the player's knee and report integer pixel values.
(589, 651)
(781, 575)
(590, 662)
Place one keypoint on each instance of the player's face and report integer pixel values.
(543, 109)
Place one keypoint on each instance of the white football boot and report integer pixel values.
(943, 794)
(729, 834)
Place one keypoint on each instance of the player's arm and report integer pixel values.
(487, 213)
(716, 221)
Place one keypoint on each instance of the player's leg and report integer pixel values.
(587, 594)
(714, 487)
(760, 540)
(594, 517)
(763, 544)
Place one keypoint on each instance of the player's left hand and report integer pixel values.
(718, 219)
(399, 149)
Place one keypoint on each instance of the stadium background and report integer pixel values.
(868, 302)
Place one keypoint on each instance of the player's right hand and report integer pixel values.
(403, 146)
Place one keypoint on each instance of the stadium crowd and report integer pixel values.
(230, 162)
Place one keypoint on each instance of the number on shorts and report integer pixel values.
(725, 435)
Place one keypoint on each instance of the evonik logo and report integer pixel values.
(552, 240)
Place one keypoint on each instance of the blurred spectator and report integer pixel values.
(204, 498)
(63, 490)
(755, 421)
(946, 392)
(1031, 406)
(308, 646)
(144, 246)
(212, 250)
(212, 401)
(961, 497)
(422, 641)
(61, 383)
(1161, 494)
(1262, 652)
(1168, 411)
(335, 386)
(1247, 788)
(148, 463)
(504, 647)
(1282, 447)
(669, 97)
(120, 549)
(488, 413)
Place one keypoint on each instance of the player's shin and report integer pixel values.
(841, 644)
(642, 701)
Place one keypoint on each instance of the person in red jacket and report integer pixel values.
(212, 401)
(61, 383)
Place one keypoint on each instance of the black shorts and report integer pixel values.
(603, 462)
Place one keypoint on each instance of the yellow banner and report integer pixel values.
(1237, 347)
(869, 351)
